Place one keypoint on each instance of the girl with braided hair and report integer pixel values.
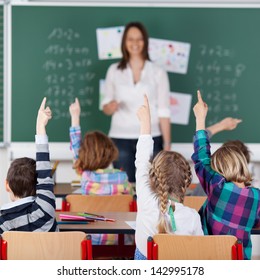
(160, 188)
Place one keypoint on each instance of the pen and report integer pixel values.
(54, 167)
(104, 219)
(71, 222)
(96, 217)
(90, 214)
(72, 217)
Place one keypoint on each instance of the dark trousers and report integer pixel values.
(127, 151)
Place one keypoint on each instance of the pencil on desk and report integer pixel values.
(54, 167)
(85, 214)
(71, 222)
(96, 217)
(72, 217)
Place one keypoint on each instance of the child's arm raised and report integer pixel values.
(200, 111)
(75, 113)
(144, 117)
(45, 198)
(44, 115)
(225, 124)
(75, 130)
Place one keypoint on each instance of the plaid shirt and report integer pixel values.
(99, 182)
(229, 210)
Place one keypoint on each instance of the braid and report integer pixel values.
(162, 193)
(186, 176)
(170, 176)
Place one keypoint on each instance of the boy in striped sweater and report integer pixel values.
(30, 187)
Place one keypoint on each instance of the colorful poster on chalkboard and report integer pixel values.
(171, 55)
(180, 107)
(109, 42)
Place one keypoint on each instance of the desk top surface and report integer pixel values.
(117, 227)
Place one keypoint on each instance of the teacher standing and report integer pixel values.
(125, 86)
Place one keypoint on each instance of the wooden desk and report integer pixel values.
(119, 227)
(62, 189)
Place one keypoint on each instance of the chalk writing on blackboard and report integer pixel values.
(67, 72)
(219, 73)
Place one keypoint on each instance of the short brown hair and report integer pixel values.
(125, 55)
(97, 150)
(22, 177)
(170, 176)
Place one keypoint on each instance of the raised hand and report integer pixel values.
(200, 110)
(143, 114)
(44, 115)
(229, 123)
(75, 112)
(225, 124)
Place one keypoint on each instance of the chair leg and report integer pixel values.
(149, 248)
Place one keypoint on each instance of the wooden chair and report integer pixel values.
(20, 245)
(105, 203)
(100, 203)
(194, 202)
(186, 247)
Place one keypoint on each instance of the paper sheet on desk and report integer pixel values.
(132, 224)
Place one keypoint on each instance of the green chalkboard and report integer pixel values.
(54, 54)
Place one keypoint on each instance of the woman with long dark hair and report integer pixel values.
(126, 83)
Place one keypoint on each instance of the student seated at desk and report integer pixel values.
(30, 187)
(225, 124)
(93, 155)
(232, 206)
(160, 188)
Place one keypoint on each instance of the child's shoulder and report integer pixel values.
(185, 210)
(110, 170)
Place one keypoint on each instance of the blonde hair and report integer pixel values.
(231, 163)
(170, 175)
(241, 146)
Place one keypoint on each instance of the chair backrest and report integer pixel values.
(19, 245)
(187, 247)
(194, 202)
(99, 203)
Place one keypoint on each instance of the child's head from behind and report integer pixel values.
(241, 146)
(22, 177)
(230, 162)
(170, 175)
(97, 151)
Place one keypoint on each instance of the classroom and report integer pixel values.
(62, 59)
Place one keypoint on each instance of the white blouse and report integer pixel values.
(120, 86)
